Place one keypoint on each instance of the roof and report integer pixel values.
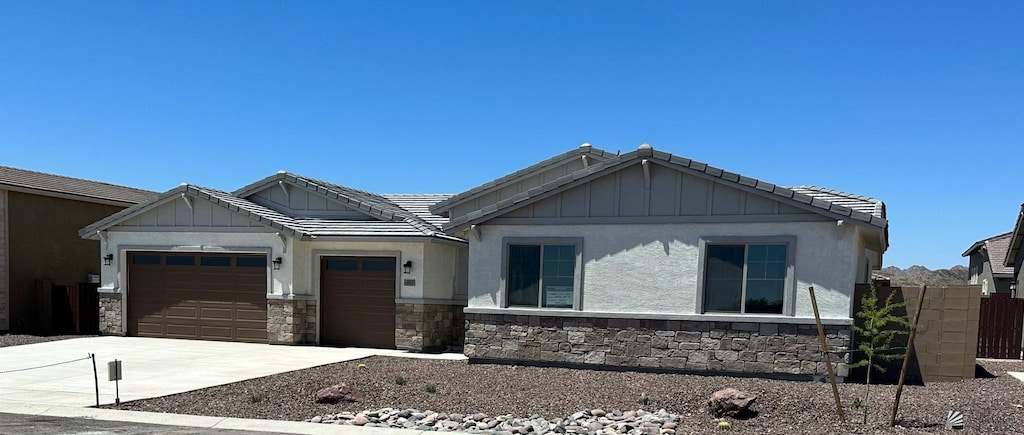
(393, 219)
(852, 201)
(58, 185)
(1013, 246)
(832, 203)
(996, 246)
(583, 151)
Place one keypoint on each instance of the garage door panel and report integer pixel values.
(358, 301)
(198, 297)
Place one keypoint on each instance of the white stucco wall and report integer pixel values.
(653, 268)
(114, 277)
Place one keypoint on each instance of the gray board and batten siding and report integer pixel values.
(666, 194)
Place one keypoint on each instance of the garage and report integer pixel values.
(358, 301)
(201, 296)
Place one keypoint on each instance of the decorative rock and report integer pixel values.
(339, 393)
(360, 420)
(729, 402)
(597, 412)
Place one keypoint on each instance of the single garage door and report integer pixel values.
(357, 301)
(203, 296)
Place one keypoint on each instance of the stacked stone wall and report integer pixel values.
(110, 314)
(741, 347)
(291, 321)
(424, 327)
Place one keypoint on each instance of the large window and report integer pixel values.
(745, 278)
(541, 275)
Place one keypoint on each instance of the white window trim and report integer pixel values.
(577, 282)
(789, 294)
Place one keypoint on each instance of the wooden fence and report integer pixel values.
(1000, 327)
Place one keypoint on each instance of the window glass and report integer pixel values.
(382, 265)
(724, 278)
(558, 272)
(145, 259)
(215, 261)
(523, 275)
(254, 261)
(342, 264)
(745, 278)
(180, 260)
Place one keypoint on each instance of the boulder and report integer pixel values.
(339, 393)
(730, 402)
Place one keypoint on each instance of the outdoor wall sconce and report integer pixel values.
(277, 263)
(107, 259)
(407, 267)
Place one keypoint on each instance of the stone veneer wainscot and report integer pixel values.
(741, 347)
(425, 327)
(291, 321)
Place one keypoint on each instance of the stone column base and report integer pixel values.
(110, 314)
(291, 321)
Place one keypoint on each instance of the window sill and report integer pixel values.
(558, 312)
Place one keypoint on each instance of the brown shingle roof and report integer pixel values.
(996, 247)
(94, 191)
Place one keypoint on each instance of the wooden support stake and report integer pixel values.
(828, 358)
(906, 356)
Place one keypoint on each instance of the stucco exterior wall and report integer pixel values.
(653, 268)
(5, 294)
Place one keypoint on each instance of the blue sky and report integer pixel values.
(920, 104)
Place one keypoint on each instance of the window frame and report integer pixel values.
(577, 280)
(789, 291)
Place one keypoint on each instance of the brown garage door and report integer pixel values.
(357, 297)
(202, 296)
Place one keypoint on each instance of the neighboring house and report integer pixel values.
(40, 215)
(654, 260)
(987, 266)
(285, 260)
(1014, 256)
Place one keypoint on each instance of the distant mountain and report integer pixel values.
(920, 275)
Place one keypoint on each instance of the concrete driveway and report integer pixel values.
(151, 367)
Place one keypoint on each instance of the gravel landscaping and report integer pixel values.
(991, 404)
(20, 339)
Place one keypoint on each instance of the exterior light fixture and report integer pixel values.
(407, 267)
(107, 259)
(277, 263)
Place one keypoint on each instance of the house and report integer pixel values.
(40, 215)
(285, 260)
(649, 259)
(1014, 257)
(987, 266)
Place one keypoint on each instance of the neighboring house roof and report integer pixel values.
(1013, 247)
(996, 247)
(67, 187)
(827, 202)
(585, 152)
(393, 219)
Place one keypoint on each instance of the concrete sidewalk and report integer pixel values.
(151, 367)
(194, 421)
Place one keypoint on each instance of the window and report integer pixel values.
(215, 261)
(253, 261)
(542, 275)
(180, 260)
(746, 278)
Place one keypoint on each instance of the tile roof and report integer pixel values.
(394, 218)
(583, 150)
(852, 201)
(826, 201)
(58, 184)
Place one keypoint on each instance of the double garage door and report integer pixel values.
(214, 296)
(202, 296)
